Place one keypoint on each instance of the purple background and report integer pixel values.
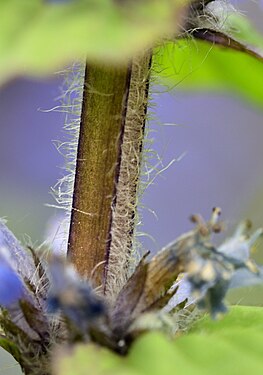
(221, 135)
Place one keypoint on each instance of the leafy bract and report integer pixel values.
(38, 37)
(232, 346)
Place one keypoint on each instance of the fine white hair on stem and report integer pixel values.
(139, 162)
(71, 102)
(139, 167)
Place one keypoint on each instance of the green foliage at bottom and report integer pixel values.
(232, 346)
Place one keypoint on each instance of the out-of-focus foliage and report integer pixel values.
(242, 29)
(39, 36)
(90, 359)
(232, 346)
(194, 64)
(240, 318)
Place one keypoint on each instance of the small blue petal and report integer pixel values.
(53, 304)
(211, 271)
(239, 245)
(213, 300)
(244, 277)
(11, 288)
(72, 296)
(20, 258)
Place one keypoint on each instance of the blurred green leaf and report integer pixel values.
(37, 37)
(10, 347)
(90, 359)
(239, 27)
(239, 317)
(232, 346)
(199, 65)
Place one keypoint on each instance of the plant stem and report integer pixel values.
(107, 169)
(124, 212)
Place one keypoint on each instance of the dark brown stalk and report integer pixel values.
(112, 107)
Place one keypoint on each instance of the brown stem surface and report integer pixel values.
(107, 114)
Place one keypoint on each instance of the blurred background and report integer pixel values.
(220, 136)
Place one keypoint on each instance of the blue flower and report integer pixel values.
(21, 259)
(11, 287)
(211, 271)
(72, 296)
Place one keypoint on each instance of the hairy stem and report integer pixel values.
(112, 122)
(124, 212)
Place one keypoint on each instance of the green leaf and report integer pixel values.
(239, 27)
(239, 317)
(90, 359)
(232, 346)
(10, 347)
(198, 65)
(37, 37)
